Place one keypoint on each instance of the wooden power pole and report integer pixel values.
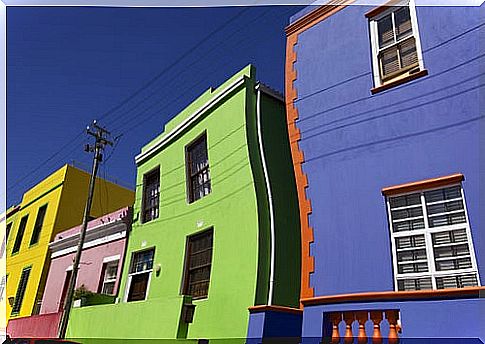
(100, 134)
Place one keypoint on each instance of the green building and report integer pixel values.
(216, 224)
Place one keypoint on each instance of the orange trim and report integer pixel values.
(307, 261)
(378, 10)
(423, 184)
(470, 292)
(266, 308)
(316, 16)
(400, 81)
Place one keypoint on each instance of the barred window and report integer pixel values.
(431, 239)
(19, 296)
(20, 234)
(151, 195)
(198, 262)
(197, 162)
(39, 221)
(139, 276)
(395, 44)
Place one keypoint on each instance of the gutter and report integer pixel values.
(259, 89)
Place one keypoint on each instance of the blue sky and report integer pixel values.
(69, 65)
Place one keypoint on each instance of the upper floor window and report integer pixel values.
(151, 195)
(197, 162)
(139, 276)
(198, 262)
(109, 274)
(39, 221)
(396, 49)
(431, 239)
(20, 234)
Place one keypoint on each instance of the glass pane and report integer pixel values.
(445, 207)
(389, 61)
(443, 194)
(385, 31)
(402, 18)
(411, 268)
(411, 255)
(446, 220)
(449, 237)
(451, 251)
(406, 200)
(453, 264)
(142, 261)
(408, 225)
(460, 281)
(408, 53)
(414, 284)
(410, 241)
(405, 213)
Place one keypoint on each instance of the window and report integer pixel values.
(396, 50)
(20, 234)
(109, 274)
(3, 283)
(139, 276)
(39, 221)
(19, 296)
(198, 261)
(151, 195)
(431, 240)
(198, 174)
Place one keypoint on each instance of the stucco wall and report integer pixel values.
(355, 143)
(89, 272)
(91, 265)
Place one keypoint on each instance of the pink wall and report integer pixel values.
(36, 326)
(90, 268)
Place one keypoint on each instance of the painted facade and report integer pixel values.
(54, 204)
(101, 264)
(215, 224)
(379, 140)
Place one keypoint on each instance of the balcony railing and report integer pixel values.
(355, 326)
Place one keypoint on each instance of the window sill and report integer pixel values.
(398, 82)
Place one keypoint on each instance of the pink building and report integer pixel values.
(99, 269)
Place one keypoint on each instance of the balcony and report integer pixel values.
(362, 327)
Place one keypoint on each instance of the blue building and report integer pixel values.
(385, 109)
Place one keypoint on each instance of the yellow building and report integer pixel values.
(53, 205)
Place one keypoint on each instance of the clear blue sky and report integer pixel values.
(69, 65)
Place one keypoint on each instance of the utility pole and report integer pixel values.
(101, 141)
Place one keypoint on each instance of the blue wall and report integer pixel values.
(356, 143)
(420, 319)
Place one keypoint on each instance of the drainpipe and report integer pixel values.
(270, 197)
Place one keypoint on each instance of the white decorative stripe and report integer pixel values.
(89, 244)
(111, 259)
(188, 121)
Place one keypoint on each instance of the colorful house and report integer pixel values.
(385, 115)
(53, 205)
(98, 278)
(215, 224)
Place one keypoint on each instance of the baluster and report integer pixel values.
(392, 316)
(376, 317)
(349, 319)
(336, 318)
(362, 317)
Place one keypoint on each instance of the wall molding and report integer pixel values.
(305, 208)
(268, 308)
(457, 293)
(314, 17)
(423, 184)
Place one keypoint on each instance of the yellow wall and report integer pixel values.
(65, 192)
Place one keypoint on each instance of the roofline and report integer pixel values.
(317, 15)
(169, 137)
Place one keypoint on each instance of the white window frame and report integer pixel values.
(374, 35)
(108, 264)
(130, 276)
(427, 232)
